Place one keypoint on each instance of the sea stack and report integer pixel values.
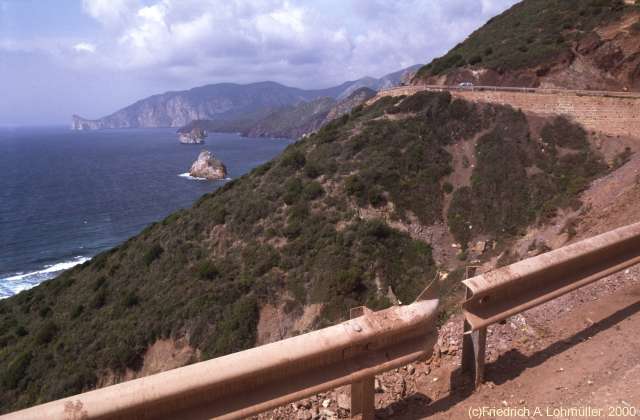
(207, 166)
(195, 136)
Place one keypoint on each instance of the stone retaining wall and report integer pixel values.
(615, 113)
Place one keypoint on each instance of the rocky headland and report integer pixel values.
(194, 136)
(228, 107)
(208, 166)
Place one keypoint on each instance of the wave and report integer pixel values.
(195, 178)
(18, 282)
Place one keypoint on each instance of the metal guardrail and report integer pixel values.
(499, 294)
(255, 380)
(479, 88)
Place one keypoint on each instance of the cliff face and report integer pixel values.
(548, 43)
(216, 102)
(227, 106)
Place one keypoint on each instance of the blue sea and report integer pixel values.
(66, 196)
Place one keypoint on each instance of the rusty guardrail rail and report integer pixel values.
(255, 380)
(499, 294)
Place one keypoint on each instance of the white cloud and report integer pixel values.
(110, 12)
(85, 47)
(292, 41)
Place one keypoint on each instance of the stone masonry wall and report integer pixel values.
(615, 114)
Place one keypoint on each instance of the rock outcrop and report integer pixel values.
(208, 167)
(79, 123)
(195, 136)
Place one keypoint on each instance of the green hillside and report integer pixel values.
(291, 231)
(532, 33)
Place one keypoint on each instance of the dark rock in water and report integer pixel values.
(207, 166)
(195, 136)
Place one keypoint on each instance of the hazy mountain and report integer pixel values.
(385, 82)
(229, 105)
(288, 122)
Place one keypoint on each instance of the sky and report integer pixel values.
(92, 57)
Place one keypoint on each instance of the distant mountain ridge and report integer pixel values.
(225, 103)
(217, 102)
(307, 117)
(288, 122)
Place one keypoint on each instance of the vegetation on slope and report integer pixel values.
(532, 179)
(294, 120)
(294, 231)
(531, 33)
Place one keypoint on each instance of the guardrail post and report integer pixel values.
(474, 344)
(363, 399)
(363, 402)
(473, 353)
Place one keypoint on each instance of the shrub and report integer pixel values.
(562, 132)
(77, 311)
(293, 191)
(475, 60)
(16, 370)
(100, 299)
(376, 197)
(207, 270)
(219, 215)
(354, 186)
(447, 187)
(312, 170)
(312, 191)
(292, 230)
(294, 159)
(47, 332)
(131, 299)
(99, 283)
(153, 254)
(237, 329)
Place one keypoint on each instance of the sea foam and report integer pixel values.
(18, 282)
(193, 178)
